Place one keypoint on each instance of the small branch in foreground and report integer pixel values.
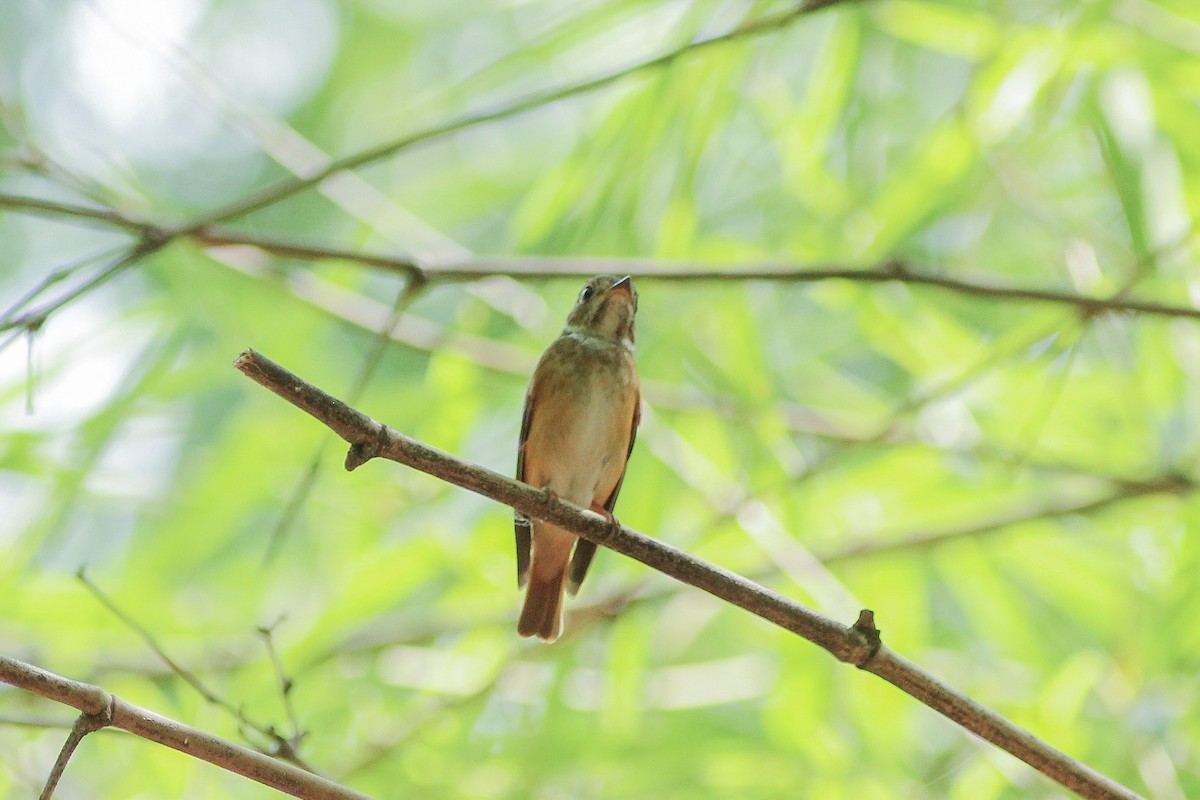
(99, 704)
(858, 644)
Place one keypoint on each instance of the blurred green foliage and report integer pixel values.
(1007, 484)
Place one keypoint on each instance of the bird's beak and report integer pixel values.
(624, 285)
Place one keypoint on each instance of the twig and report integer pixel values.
(387, 632)
(419, 334)
(1131, 490)
(147, 637)
(859, 644)
(93, 700)
(87, 722)
(553, 267)
(282, 747)
(408, 294)
(550, 267)
(35, 319)
(51, 208)
(286, 684)
(288, 187)
(53, 277)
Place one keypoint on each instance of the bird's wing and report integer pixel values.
(521, 523)
(584, 549)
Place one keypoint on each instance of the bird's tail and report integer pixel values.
(541, 615)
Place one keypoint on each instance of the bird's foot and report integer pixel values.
(550, 495)
(614, 524)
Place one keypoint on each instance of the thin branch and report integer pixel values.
(420, 334)
(286, 684)
(859, 644)
(200, 744)
(33, 320)
(87, 722)
(554, 267)
(283, 748)
(399, 628)
(1175, 485)
(56, 275)
(51, 208)
(407, 295)
(288, 187)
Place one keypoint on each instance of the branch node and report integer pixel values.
(867, 638)
(362, 452)
(154, 238)
(90, 722)
(1089, 311)
(87, 722)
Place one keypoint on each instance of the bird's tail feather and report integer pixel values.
(541, 616)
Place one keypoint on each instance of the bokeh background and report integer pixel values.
(1008, 483)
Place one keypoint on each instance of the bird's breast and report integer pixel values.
(580, 429)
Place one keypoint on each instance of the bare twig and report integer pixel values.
(267, 632)
(392, 630)
(52, 208)
(87, 722)
(33, 320)
(1165, 485)
(282, 747)
(552, 267)
(92, 700)
(859, 644)
(420, 334)
(55, 276)
(383, 337)
(389, 630)
(286, 188)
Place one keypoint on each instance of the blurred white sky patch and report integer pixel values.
(123, 80)
(77, 364)
(160, 84)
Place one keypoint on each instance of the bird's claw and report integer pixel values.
(614, 524)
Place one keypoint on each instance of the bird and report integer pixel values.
(581, 416)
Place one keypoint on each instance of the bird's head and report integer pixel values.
(605, 309)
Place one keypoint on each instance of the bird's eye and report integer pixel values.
(587, 293)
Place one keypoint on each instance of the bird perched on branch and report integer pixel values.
(581, 416)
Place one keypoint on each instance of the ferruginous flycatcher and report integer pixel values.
(581, 415)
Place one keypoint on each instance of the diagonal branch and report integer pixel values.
(858, 644)
(97, 704)
(288, 187)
